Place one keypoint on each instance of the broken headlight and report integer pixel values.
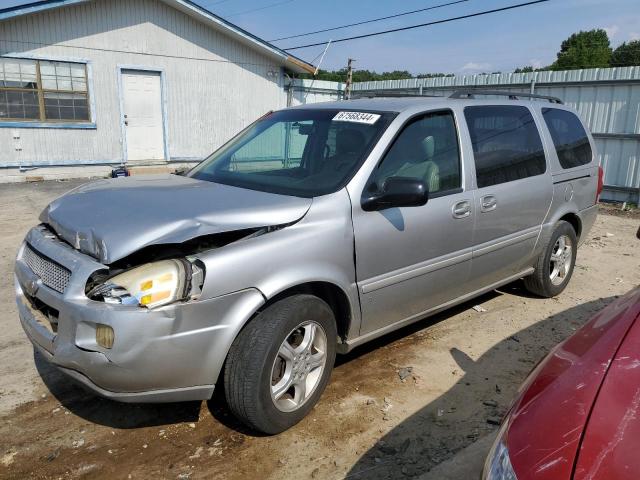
(151, 285)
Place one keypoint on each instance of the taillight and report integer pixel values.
(600, 183)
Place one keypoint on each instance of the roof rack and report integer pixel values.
(470, 93)
(382, 94)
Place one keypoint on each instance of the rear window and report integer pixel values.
(506, 144)
(569, 137)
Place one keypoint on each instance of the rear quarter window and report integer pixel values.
(569, 137)
(506, 144)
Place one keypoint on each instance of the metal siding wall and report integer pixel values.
(315, 91)
(620, 160)
(207, 100)
(607, 99)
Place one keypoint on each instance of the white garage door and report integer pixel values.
(143, 115)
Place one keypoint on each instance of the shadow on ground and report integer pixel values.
(85, 404)
(432, 435)
(106, 412)
(473, 407)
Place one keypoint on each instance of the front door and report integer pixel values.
(142, 107)
(514, 190)
(411, 259)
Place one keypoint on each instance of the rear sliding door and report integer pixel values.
(514, 190)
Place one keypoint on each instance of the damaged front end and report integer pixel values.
(124, 342)
(151, 285)
(112, 220)
(148, 232)
(176, 274)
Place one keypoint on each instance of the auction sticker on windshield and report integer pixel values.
(356, 117)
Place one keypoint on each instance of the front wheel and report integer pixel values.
(280, 363)
(554, 267)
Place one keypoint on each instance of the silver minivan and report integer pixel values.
(314, 230)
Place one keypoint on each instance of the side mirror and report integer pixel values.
(397, 192)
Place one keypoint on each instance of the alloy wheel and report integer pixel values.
(561, 258)
(298, 366)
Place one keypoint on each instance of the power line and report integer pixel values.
(215, 3)
(437, 22)
(132, 52)
(229, 61)
(371, 21)
(271, 5)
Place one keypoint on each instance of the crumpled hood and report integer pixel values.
(111, 219)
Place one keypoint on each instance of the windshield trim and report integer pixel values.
(385, 116)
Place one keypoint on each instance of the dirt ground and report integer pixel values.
(436, 422)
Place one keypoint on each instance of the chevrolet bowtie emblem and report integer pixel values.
(32, 286)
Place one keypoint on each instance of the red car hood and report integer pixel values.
(609, 448)
(548, 420)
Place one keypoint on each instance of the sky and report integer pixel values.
(498, 42)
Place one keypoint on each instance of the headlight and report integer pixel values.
(498, 464)
(151, 285)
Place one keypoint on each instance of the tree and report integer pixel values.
(626, 55)
(366, 75)
(529, 69)
(434, 75)
(590, 49)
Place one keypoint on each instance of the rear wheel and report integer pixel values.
(555, 265)
(280, 364)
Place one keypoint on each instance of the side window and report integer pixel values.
(506, 144)
(426, 149)
(569, 137)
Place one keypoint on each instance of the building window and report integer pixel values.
(46, 91)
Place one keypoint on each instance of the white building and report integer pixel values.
(100, 82)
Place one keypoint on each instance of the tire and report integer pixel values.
(257, 373)
(542, 281)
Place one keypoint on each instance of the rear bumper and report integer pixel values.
(587, 219)
(173, 353)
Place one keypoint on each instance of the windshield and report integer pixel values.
(305, 153)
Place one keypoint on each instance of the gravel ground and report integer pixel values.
(421, 402)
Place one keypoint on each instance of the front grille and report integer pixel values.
(52, 274)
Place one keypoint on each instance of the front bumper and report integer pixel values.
(173, 353)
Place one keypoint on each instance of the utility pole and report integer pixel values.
(347, 87)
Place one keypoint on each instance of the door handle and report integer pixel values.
(461, 209)
(488, 203)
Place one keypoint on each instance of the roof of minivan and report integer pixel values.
(400, 104)
(381, 104)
